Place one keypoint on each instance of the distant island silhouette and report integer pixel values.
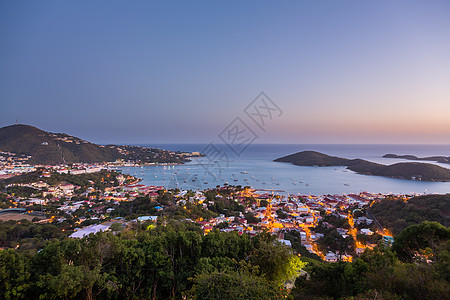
(439, 159)
(407, 170)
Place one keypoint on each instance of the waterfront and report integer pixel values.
(255, 168)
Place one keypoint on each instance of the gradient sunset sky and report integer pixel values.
(180, 71)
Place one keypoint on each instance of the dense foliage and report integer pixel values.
(397, 214)
(412, 270)
(158, 263)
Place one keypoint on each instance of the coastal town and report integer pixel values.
(83, 199)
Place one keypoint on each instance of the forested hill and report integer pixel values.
(397, 214)
(52, 148)
(407, 170)
(55, 148)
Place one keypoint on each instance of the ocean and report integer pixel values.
(255, 167)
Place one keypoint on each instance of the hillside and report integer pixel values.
(54, 148)
(396, 214)
(313, 158)
(422, 171)
(407, 170)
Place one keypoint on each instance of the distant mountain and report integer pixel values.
(54, 148)
(408, 170)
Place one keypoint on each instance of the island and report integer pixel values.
(439, 159)
(407, 170)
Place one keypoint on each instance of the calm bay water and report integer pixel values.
(255, 167)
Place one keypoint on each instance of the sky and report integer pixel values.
(180, 71)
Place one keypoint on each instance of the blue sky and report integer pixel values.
(180, 71)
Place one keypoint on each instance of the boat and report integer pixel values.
(244, 172)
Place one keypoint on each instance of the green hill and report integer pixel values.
(54, 148)
(397, 214)
(313, 158)
(407, 170)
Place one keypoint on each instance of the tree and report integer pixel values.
(416, 240)
(14, 275)
(277, 262)
(233, 285)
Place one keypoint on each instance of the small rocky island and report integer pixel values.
(439, 159)
(406, 170)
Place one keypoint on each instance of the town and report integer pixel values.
(83, 199)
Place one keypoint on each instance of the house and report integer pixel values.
(99, 209)
(366, 231)
(285, 242)
(303, 235)
(365, 220)
(67, 188)
(77, 171)
(153, 195)
(331, 257)
(63, 171)
(147, 218)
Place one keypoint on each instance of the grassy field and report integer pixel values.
(17, 216)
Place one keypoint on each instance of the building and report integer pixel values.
(147, 218)
(366, 231)
(388, 240)
(331, 257)
(88, 230)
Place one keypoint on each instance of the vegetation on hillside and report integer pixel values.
(397, 214)
(48, 148)
(386, 274)
(158, 263)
